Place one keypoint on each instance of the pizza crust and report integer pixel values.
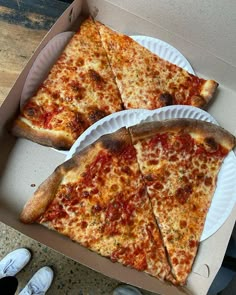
(52, 138)
(201, 129)
(44, 195)
(42, 198)
(208, 90)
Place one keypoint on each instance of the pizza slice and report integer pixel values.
(79, 90)
(147, 81)
(98, 199)
(180, 160)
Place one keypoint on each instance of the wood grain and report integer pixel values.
(23, 24)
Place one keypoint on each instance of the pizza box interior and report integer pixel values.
(202, 33)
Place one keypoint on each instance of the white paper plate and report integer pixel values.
(225, 194)
(165, 51)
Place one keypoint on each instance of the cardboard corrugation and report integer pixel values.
(24, 164)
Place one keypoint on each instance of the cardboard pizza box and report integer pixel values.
(203, 33)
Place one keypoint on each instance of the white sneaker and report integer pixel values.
(39, 283)
(14, 261)
(126, 290)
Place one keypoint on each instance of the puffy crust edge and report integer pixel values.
(52, 138)
(201, 129)
(208, 90)
(45, 194)
(41, 199)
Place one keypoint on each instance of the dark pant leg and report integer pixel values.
(8, 285)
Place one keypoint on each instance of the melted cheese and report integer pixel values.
(104, 206)
(180, 175)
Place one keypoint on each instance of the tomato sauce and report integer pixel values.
(221, 152)
(54, 213)
(159, 138)
(128, 153)
(184, 142)
(97, 167)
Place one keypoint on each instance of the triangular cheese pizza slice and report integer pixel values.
(147, 81)
(180, 160)
(98, 199)
(79, 90)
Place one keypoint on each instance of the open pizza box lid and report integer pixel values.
(204, 35)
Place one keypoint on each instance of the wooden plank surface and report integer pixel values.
(23, 24)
